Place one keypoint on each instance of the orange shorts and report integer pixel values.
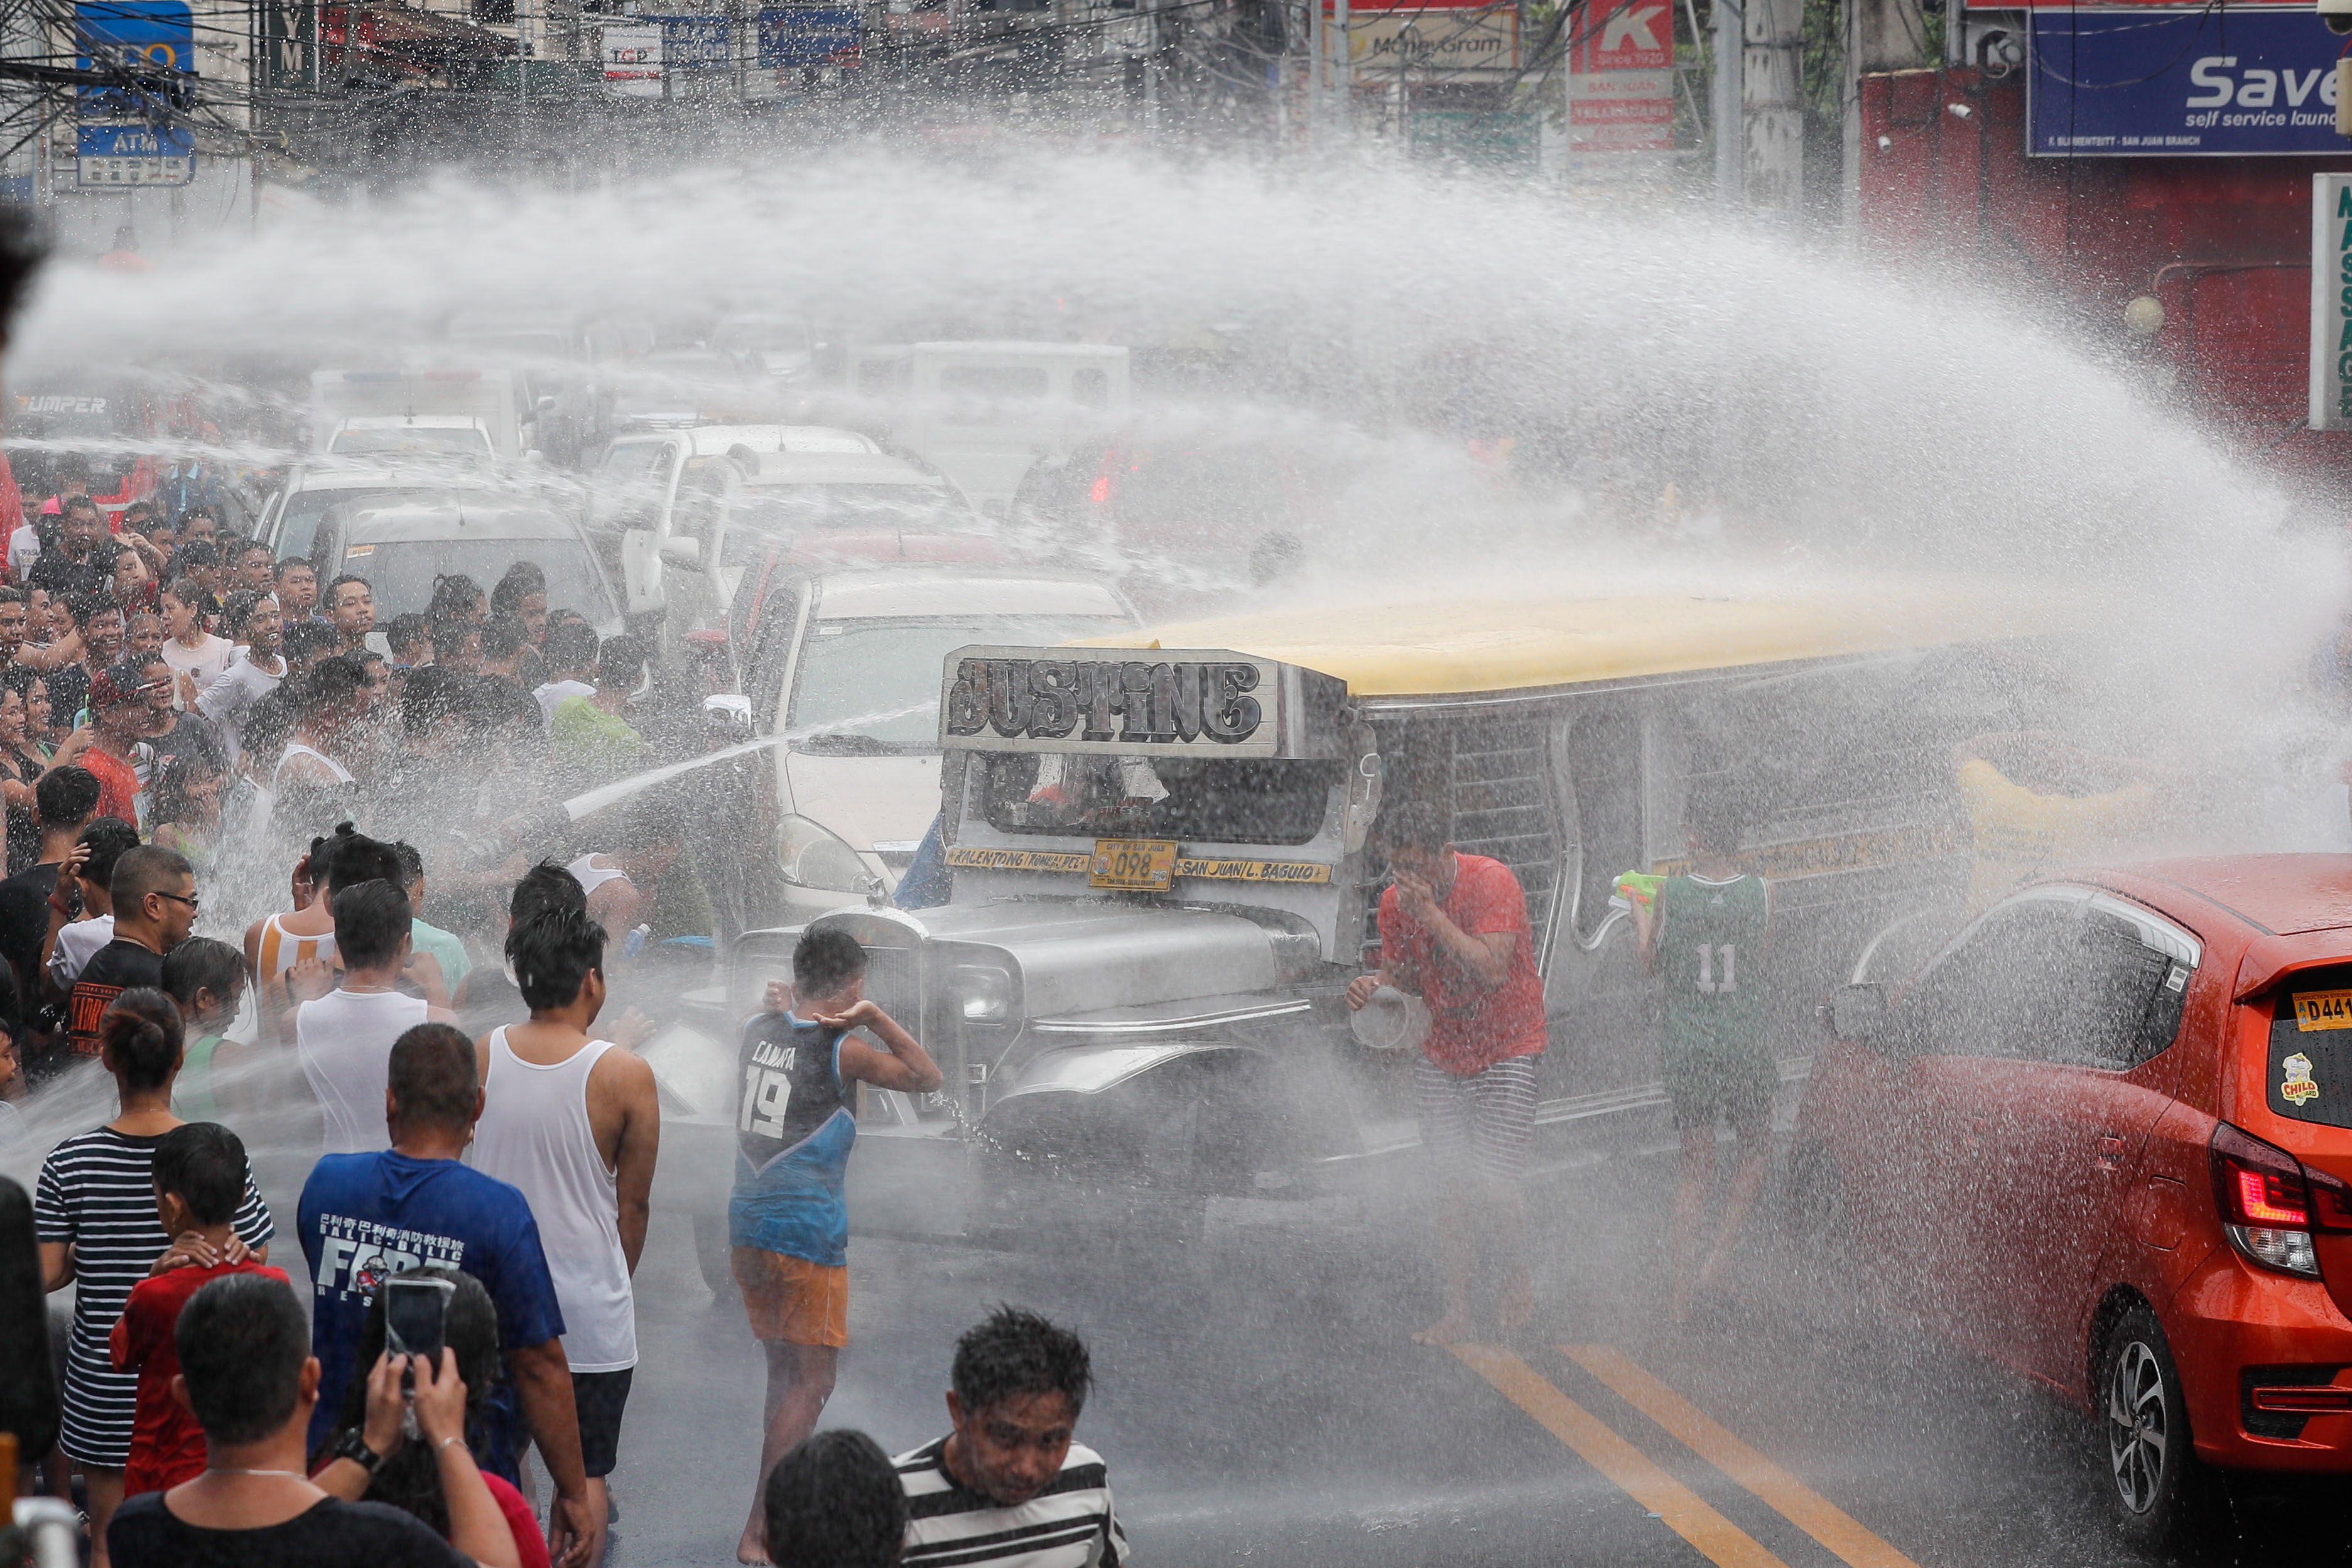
(791, 1299)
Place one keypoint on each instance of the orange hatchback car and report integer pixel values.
(2104, 1137)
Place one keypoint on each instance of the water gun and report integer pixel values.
(1635, 888)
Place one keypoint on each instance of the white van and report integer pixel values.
(678, 512)
(985, 414)
(844, 664)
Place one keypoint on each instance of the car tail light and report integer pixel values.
(2271, 1202)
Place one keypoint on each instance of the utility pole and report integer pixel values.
(1343, 63)
(1773, 84)
(1730, 102)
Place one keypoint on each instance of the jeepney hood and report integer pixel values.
(867, 800)
(1079, 957)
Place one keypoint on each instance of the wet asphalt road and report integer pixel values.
(1261, 1401)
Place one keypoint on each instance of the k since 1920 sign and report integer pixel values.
(2218, 80)
(1621, 84)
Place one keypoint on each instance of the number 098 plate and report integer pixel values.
(1134, 865)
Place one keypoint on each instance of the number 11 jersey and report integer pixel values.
(1711, 962)
(794, 1131)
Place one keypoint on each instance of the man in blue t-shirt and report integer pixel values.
(364, 1218)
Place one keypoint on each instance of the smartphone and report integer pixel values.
(416, 1309)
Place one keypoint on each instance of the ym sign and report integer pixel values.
(2331, 302)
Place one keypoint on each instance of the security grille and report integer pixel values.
(1499, 789)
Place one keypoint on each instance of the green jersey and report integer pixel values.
(1710, 948)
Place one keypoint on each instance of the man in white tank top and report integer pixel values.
(344, 1039)
(573, 1122)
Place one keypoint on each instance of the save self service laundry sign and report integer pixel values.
(2331, 302)
(2218, 80)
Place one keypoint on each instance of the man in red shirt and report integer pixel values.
(1454, 933)
(199, 1172)
(118, 716)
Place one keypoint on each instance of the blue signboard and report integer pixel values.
(809, 36)
(694, 43)
(108, 155)
(2210, 81)
(146, 36)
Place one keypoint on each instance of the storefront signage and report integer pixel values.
(106, 156)
(1164, 703)
(2210, 82)
(694, 43)
(1621, 84)
(633, 61)
(809, 36)
(1432, 42)
(2331, 302)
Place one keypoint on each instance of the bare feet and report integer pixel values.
(1450, 1328)
(1517, 1307)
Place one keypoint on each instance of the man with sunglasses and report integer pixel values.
(154, 892)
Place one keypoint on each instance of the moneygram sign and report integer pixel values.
(2218, 81)
(2331, 302)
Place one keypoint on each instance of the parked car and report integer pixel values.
(400, 543)
(394, 437)
(289, 519)
(2104, 1138)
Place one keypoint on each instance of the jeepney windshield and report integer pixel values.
(1207, 801)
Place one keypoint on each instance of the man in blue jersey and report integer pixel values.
(787, 1222)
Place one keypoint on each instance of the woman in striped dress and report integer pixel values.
(94, 1211)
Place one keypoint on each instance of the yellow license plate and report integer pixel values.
(1134, 865)
(2313, 1010)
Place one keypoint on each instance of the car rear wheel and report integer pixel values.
(2157, 1485)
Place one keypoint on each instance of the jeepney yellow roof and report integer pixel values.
(1459, 645)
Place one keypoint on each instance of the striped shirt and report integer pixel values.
(95, 1192)
(1068, 1525)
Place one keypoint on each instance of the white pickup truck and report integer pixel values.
(381, 413)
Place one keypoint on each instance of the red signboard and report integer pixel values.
(1623, 36)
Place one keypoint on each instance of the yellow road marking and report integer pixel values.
(1723, 1543)
(1800, 1504)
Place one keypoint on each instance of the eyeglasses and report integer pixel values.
(180, 898)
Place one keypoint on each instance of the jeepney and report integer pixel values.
(1164, 870)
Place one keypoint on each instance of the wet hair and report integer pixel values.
(196, 553)
(571, 645)
(242, 1342)
(371, 921)
(406, 633)
(246, 547)
(835, 1500)
(498, 709)
(139, 1035)
(142, 870)
(1416, 825)
(1011, 1352)
(201, 757)
(1715, 818)
(236, 611)
(290, 564)
(186, 591)
(108, 838)
(621, 659)
(411, 863)
(448, 633)
(825, 960)
(433, 1078)
(410, 1479)
(79, 503)
(455, 595)
(86, 608)
(503, 637)
(327, 594)
(351, 857)
(546, 886)
(21, 254)
(203, 1164)
(554, 953)
(202, 964)
(522, 580)
(432, 694)
(68, 794)
(307, 640)
(333, 680)
(14, 596)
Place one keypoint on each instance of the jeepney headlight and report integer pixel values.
(981, 995)
(812, 855)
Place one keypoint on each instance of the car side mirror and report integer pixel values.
(685, 554)
(1858, 1013)
(727, 714)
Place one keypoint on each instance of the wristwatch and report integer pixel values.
(353, 1446)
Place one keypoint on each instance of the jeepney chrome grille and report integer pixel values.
(1500, 779)
(894, 983)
